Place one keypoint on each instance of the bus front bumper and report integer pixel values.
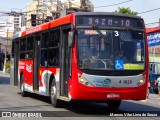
(100, 94)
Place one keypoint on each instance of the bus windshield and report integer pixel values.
(111, 49)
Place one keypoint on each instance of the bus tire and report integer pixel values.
(22, 90)
(53, 95)
(113, 105)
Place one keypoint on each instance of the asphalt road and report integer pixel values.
(11, 100)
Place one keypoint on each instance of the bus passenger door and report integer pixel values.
(64, 61)
(36, 63)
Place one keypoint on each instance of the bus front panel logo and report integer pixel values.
(102, 81)
(107, 81)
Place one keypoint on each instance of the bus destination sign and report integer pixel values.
(110, 22)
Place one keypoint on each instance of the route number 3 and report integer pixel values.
(116, 33)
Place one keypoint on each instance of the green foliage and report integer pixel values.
(7, 65)
(125, 11)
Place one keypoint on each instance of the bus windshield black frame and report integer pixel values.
(110, 21)
(115, 23)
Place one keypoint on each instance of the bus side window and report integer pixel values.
(44, 58)
(23, 48)
(29, 54)
(44, 51)
(53, 57)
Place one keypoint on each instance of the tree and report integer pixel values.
(125, 11)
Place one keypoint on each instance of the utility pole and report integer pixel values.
(5, 56)
(70, 4)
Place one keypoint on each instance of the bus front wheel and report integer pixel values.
(113, 105)
(53, 95)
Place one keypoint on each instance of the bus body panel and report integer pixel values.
(26, 69)
(44, 79)
(35, 29)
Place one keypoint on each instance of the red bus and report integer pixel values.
(87, 56)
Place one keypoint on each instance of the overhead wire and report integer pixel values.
(149, 11)
(114, 4)
(151, 23)
(126, 2)
(143, 12)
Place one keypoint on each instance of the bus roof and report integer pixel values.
(106, 13)
(54, 23)
(66, 20)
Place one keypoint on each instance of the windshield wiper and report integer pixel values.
(95, 27)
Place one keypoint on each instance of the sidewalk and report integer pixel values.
(153, 99)
(2, 74)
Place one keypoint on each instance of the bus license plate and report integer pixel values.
(113, 95)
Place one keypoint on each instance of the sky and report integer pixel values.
(134, 5)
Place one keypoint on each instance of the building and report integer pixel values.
(18, 21)
(4, 26)
(78, 4)
(6, 30)
(45, 10)
(153, 36)
(41, 9)
(6, 33)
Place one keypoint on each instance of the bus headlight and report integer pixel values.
(141, 81)
(83, 81)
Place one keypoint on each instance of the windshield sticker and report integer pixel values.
(90, 32)
(133, 67)
(119, 65)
